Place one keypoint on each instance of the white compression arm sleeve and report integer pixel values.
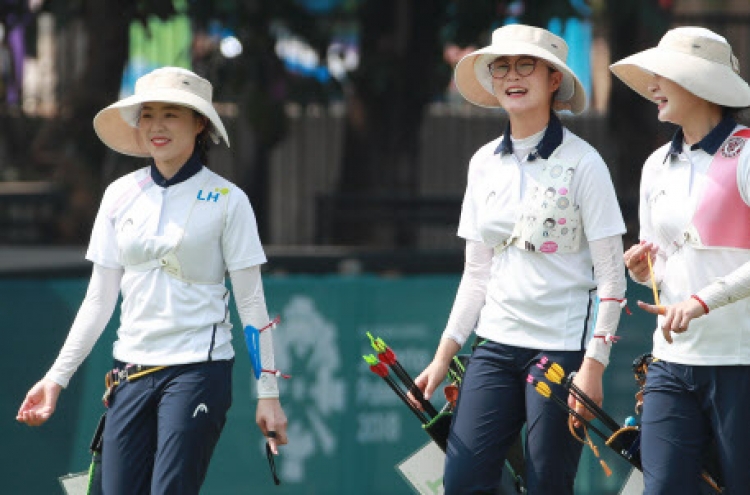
(471, 292)
(251, 306)
(95, 311)
(725, 290)
(609, 273)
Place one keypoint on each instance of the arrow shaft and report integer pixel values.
(402, 395)
(592, 406)
(409, 383)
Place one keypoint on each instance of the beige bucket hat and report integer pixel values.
(697, 59)
(116, 124)
(474, 82)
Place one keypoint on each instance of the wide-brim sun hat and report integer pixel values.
(697, 59)
(474, 81)
(116, 125)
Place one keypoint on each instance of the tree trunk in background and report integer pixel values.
(67, 144)
(399, 74)
(634, 25)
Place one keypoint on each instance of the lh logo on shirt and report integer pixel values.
(212, 195)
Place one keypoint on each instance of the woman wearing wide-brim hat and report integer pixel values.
(541, 223)
(164, 237)
(695, 226)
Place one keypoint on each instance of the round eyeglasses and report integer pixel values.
(500, 68)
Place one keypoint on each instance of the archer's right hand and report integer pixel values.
(429, 380)
(39, 403)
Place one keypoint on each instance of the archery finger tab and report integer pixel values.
(451, 394)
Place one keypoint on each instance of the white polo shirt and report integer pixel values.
(537, 300)
(166, 320)
(672, 184)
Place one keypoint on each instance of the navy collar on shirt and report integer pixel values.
(552, 138)
(710, 142)
(191, 167)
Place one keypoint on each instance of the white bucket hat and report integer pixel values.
(116, 124)
(474, 82)
(697, 59)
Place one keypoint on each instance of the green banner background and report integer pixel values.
(347, 428)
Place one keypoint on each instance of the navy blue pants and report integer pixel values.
(161, 429)
(493, 404)
(685, 408)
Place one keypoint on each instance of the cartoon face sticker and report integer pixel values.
(550, 192)
(569, 174)
(563, 203)
(548, 247)
(549, 223)
(556, 171)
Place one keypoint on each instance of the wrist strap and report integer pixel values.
(607, 338)
(705, 306)
(623, 303)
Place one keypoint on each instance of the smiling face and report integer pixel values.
(168, 132)
(674, 103)
(525, 94)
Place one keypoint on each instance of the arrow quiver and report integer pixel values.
(437, 423)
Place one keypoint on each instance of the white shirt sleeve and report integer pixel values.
(609, 272)
(471, 292)
(240, 242)
(479, 165)
(247, 287)
(595, 193)
(103, 249)
(94, 314)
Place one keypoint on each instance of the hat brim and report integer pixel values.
(116, 124)
(708, 80)
(475, 83)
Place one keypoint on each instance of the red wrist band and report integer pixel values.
(705, 306)
(623, 303)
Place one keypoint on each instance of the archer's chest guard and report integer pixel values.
(549, 222)
(722, 218)
(190, 238)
